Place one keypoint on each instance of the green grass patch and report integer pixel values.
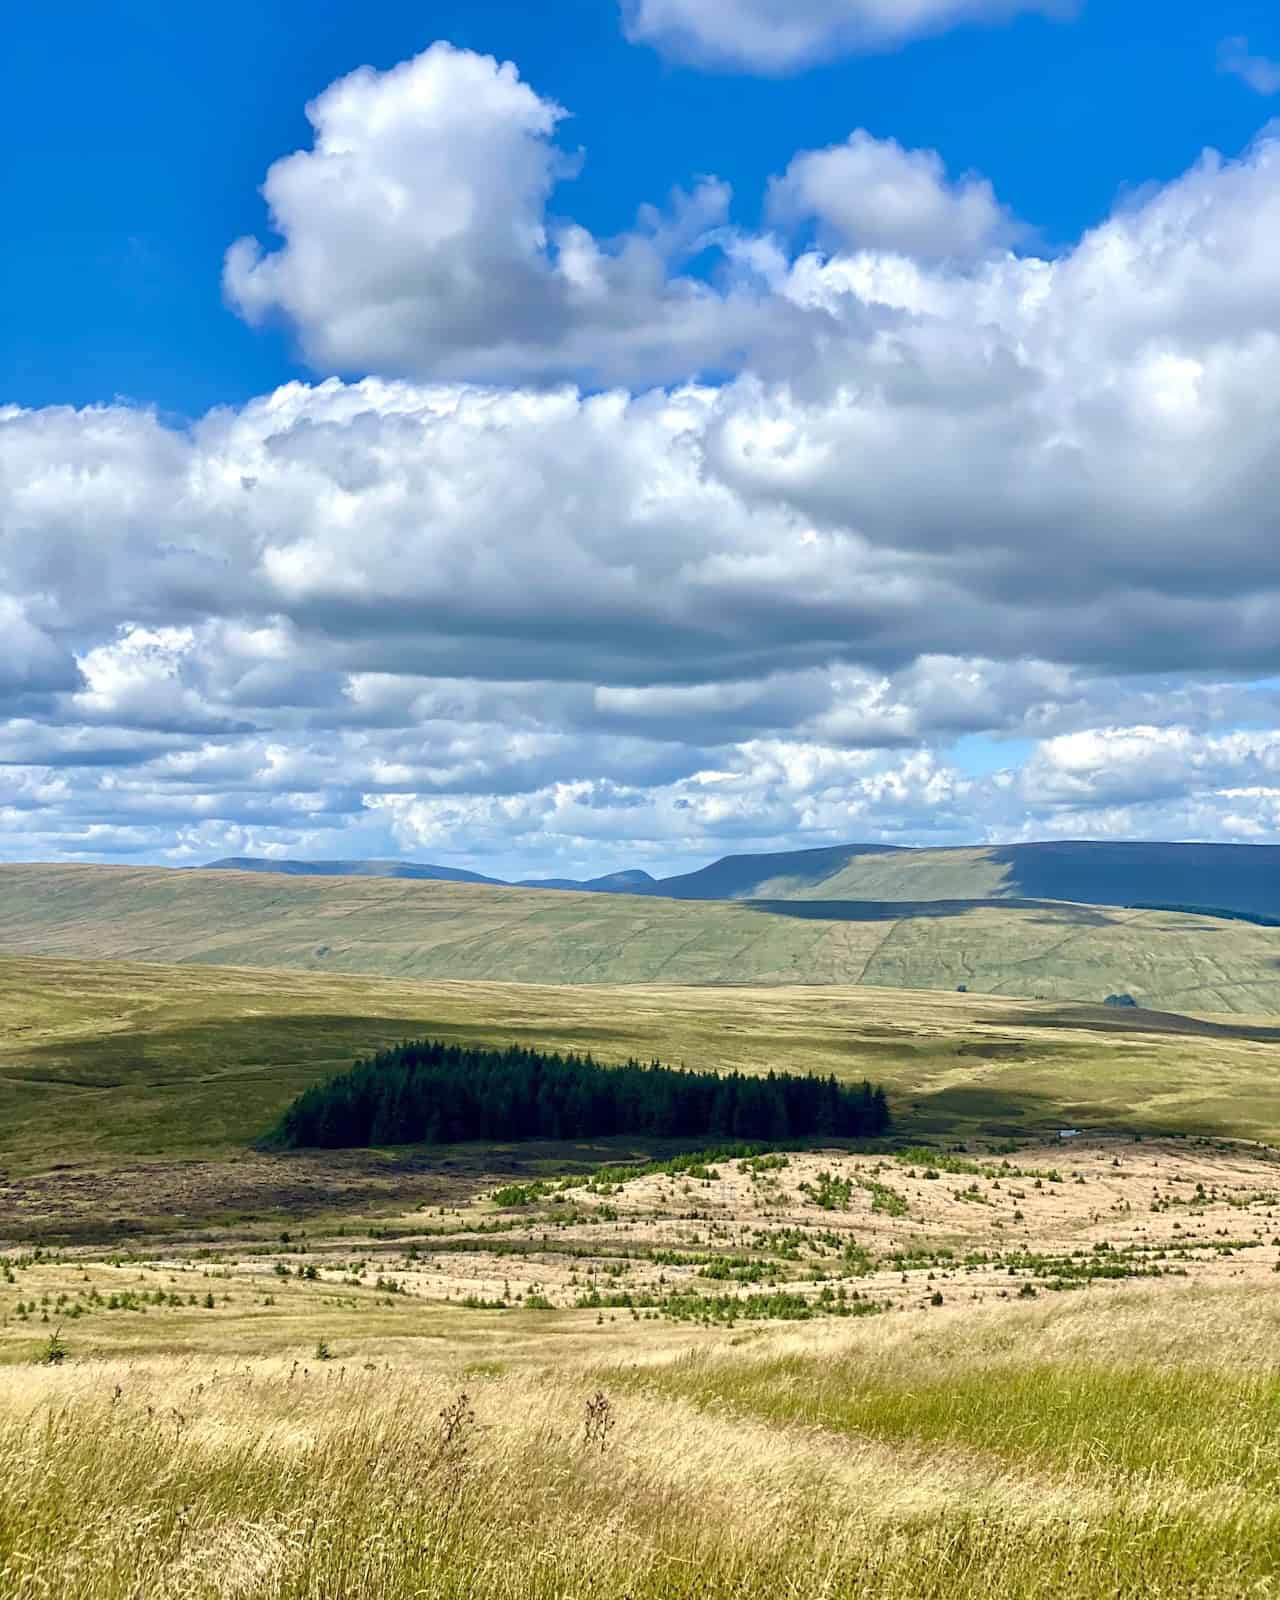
(1206, 1429)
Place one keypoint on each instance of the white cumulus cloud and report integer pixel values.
(772, 36)
(872, 194)
(417, 239)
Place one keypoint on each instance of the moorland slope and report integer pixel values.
(108, 1061)
(400, 928)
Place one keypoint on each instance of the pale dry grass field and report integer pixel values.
(267, 1420)
(1049, 1370)
(1099, 1445)
(703, 1241)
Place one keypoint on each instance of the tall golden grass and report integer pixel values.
(1110, 1445)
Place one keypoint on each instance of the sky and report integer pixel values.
(618, 433)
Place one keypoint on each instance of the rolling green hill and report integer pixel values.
(399, 928)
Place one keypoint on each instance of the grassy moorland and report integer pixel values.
(395, 928)
(1015, 1368)
(102, 1062)
(998, 1375)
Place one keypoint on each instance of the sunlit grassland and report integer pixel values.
(197, 1312)
(101, 1061)
(1076, 1414)
(484, 1396)
(1117, 1444)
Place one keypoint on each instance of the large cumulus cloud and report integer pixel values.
(417, 239)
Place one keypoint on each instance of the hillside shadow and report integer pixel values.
(207, 1053)
(1237, 878)
(985, 1110)
(1055, 911)
(1137, 1019)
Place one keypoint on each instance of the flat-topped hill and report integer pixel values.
(1243, 879)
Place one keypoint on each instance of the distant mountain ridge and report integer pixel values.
(1235, 878)
(632, 881)
(1227, 879)
(629, 882)
(786, 875)
(423, 871)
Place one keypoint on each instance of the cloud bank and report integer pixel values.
(884, 527)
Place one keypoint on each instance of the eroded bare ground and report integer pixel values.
(129, 1204)
(80, 1204)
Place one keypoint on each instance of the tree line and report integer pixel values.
(431, 1092)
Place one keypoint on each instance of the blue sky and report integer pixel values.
(951, 388)
(146, 130)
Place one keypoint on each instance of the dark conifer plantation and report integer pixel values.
(431, 1092)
